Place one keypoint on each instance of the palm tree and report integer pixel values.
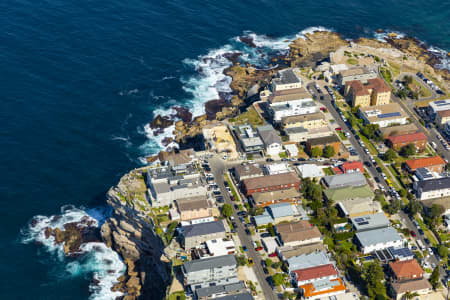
(409, 295)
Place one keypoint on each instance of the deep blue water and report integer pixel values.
(80, 79)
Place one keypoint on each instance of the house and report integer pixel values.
(343, 180)
(442, 117)
(281, 212)
(277, 168)
(164, 186)
(322, 288)
(247, 171)
(435, 106)
(419, 140)
(180, 160)
(370, 222)
(304, 261)
(349, 193)
(383, 115)
(298, 233)
(271, 139)
(312, 274)
(270, 244)
(291, 150)
(374, 92)
(240, 296)
(219, 247)
(378, 239)
(194, 235)
(433, 188)
(291, 103)
(287, 252)
(358, 207)
(394, 130)
(270, 183)
(263, 219)
(322, 142)
(301, 134)
(349, 167)
(194, 208)
(210, 271)
(287, 79)
(433, 164)
(401, 254)
(356, 73)
(307, 121)
(310, 171)
(399, 289)
(262, 199)
(249, 139)
(405, 270)
(230, 290)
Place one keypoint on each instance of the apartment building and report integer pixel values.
(433, 164)
(308, 121)
(383, 115)
(249, 139)
(433, 188)
(196, 234)
(270, 183)
(195, 208)
(419, 140)
(298, 233)
(362, 74)
(322, 142)
(374, 92)
(290, 103)
(286, 80)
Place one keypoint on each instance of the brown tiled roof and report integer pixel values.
(248, 169)
(410, 286)
(315, 272)
(406, 268)
(323, 140)
(291, 91)
(398, 130)
(270, 180)
(302, 118)
(378, 85)
(193, 203)
(358, 88)
(297, 231)
(405, 138)
(444, 113)
(414, 164)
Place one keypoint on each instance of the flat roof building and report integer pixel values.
(310, 171)
(370, 222)
(378, 239)
(433, 188)
(269, 183)
(344, 180)
(383, 115)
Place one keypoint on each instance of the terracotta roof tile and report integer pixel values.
(271, 180)
(405, 138)
(315, 272)
(414, 164)
(406, 268)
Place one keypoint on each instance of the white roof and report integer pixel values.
(292, 148)
(278, 168)
(378, 236)
(219, 247)
(310, 171)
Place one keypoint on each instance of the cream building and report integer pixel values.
(309, 121)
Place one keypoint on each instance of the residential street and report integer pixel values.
(218, 169)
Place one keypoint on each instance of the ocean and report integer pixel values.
(81, 80)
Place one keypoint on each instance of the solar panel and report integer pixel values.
(363, 223)
(389, 115)
(359, 219)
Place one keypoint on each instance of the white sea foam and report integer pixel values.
(95, 259)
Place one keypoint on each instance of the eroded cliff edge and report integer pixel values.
(129, 231)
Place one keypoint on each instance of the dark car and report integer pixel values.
(301, 159)
(357, 136)
(265, 271)
(421, 231)
(377, 179)
(427, 241)
(379, 170)
(269, 160)
(225, 183)
(247, 231)
(244, 248)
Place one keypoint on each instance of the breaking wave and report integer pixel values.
(95, 261)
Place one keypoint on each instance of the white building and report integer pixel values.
(277, 168)
(273, 144)
(383, 115)
(291, 105)
(270, 244)
(310, 171)
(438, 105)
(286, 80)
(219, 247)
(291, 149)
(335, 69)
(379, 239)
(433, 188)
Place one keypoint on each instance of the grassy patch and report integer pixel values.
(233, 191)
(427, 232)
(387, 75)
(283, 154)
(352, 61)
(328, 171)
(368, 144)
(250, 116)
(342, 135)
(420, 89)
(177, 296)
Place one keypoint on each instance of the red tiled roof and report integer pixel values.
(315, 272)
(309, 290)
(406, 268)
(405, 138)
(378, 85)
(444, 113)
(414, 164)
(358, 88)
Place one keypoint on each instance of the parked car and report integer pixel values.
(274, 254)
(421, 231)
(413, 233)
(244, 248)
(259, 248)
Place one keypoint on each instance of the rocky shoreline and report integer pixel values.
(130, 231)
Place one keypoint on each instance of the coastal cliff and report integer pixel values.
(130, 232)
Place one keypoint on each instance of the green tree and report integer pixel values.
(408, 80)
(403, 193)
(443, 252)
(278, 279)
(408, 150)
(270, 229)
(170, 230)
(328, 151)
(434, 278)
(414, 207)
(401, 93)
(393, 207)
(389, 155)
(316, 152)
(268, 262)
(410, 295)
(241, 260)
(227, 210)
(370, 130)
(373, 276)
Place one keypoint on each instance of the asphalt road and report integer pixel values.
(364, 157)
(218, 169)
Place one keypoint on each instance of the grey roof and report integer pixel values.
(424, 173)
(434, 184)
(280, 210)
(218, 289)
(286, 77)
(203, 228)
(368, 222)
(378, 236)
(263, 219)
(292, 130)
(323, 140)
(241, 296)
(209, 263)
(308, 261)
(343, 180)
(269, 135)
